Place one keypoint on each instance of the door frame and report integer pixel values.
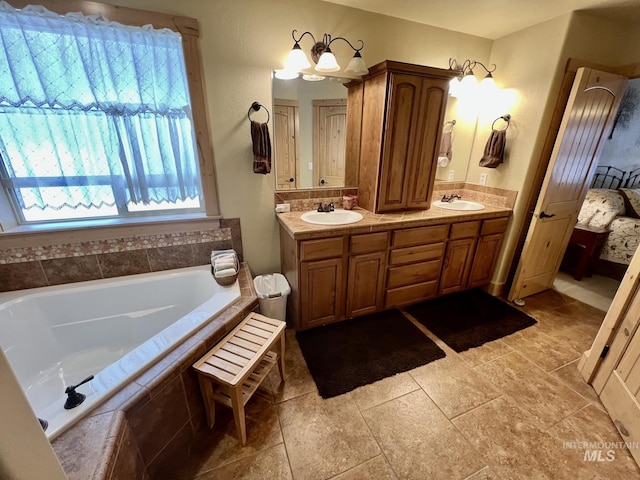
(630, 71)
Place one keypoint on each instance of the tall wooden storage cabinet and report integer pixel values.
(403, 108)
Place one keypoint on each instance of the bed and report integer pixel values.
(613, 202)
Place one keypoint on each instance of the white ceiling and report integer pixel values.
(493, 18)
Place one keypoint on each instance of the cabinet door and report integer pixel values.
(419, 183)
(457, 262)
(364, 285)
(484, 260)
(321, 292)
(399, 140)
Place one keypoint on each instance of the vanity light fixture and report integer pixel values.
(322, 56)
(466, 83)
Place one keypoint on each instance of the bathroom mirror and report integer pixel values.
(462, 135)
(309, 133)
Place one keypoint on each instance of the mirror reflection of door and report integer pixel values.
(329, 139)
(286, 143)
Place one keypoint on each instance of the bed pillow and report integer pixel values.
(631, 198)
(600, 207)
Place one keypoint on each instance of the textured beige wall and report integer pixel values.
(529, 69)
(242, 40)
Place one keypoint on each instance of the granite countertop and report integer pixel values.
(372, 222)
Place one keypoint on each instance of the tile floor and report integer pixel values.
(500, 411)
(597, 291)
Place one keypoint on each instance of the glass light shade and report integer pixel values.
(357, 65)
(454, 87)
(327, 62)
(488, 85)
(296, 60)
(286, 74)
(468, 85)
(312, 77)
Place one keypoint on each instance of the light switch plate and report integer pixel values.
(483, 178)
(310, 165)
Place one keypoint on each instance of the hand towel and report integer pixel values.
(226, 273)
(494, 149)
(224, 266)
(261, 147)
(446, 145)
(225, 259)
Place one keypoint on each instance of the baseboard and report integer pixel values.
(496, 289)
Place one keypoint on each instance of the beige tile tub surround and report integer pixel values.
(153, 422)
(32, 266)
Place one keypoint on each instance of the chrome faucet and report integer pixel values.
(327, 207)
(450, 198)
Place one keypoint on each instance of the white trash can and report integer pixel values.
(272, 291)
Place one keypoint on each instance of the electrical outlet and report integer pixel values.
(483, 178)
(310, 166)
(450, 176)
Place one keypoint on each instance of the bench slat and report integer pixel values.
(256, 331)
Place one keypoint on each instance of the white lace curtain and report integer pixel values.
(93, 112)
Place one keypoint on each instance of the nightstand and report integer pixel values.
(583, 250)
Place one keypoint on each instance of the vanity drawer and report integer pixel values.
(414, 273)
(419, 236)
(321, 248)
(420, 253)
(410, 294)
(495, 225)
(368, 243)
(464, 230)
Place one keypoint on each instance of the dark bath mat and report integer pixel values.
(469, 319)
(356, 352)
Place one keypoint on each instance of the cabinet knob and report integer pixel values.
(322, 181)
(292, 179)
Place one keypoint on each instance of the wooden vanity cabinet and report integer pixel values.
(487, 250)
(459, 256)
(345, 276)
(402, 112)
(365, 279)
(322, 283)
(415, 260)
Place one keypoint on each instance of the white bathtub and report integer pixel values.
(114, 329)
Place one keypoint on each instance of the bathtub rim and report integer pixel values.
(64, 420)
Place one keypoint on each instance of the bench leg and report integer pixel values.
(281, 356)
(207, 395)
(238, 413)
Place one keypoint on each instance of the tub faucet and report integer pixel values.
(75, 398)
(450, 198)
(328, 207)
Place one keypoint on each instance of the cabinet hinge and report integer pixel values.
(605, 350)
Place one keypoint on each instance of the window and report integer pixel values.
(95, 118)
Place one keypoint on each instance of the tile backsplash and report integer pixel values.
(39, 266)
(303, 200)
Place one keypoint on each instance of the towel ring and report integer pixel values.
(506, 118)
(451, 122)
(255, 106)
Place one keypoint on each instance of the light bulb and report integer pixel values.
(286, 74)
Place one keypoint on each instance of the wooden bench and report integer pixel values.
(233, 370)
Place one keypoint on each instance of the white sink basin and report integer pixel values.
(337, 217)
(459, 205)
